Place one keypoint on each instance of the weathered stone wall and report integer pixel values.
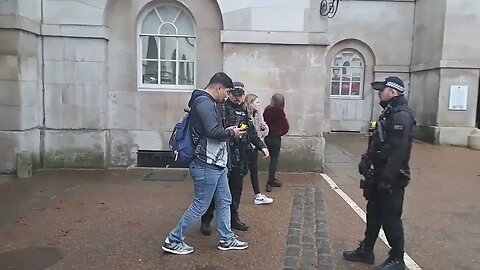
(296, 72)
(445, 53)
(20, 95)
(69, 91)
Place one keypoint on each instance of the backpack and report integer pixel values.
(181, 142)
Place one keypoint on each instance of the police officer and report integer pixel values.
(389, 154)
(234, 113)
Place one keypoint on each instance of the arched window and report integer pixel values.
(166, 46)
(348, 68)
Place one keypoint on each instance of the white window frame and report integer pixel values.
(362, 76)
(164, 87)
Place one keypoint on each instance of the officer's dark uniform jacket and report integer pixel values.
(235, 115)
(391, 157)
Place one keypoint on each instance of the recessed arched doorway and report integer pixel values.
(349, 74)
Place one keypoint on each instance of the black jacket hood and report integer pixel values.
(196, 93)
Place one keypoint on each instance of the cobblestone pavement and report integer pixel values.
(308, 246)
(113, 220)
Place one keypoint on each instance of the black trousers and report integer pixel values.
(385, 210)
(273, 144)
(253, 168)
(235, 181)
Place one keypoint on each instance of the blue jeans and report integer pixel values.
(208, 183)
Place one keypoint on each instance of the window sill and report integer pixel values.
(347, 97)
(169, 88)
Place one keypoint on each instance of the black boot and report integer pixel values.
(394, 262)
(205, 228)
(276, 183)
(238, 225)
(272, 184)
(361, 254)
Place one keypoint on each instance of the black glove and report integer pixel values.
(364, 165)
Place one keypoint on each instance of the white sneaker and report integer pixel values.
(262, 199)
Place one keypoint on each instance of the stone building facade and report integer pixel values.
(91, 83)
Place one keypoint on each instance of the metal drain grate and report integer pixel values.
(155, 159)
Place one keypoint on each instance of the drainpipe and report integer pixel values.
(43, 126)
(372, 115)
(412, 50)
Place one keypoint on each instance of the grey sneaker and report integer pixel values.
(176, 248)
(233, 244)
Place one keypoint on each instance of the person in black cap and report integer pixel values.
(385, 167)
(234, 113)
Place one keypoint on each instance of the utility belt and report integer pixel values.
(370, 184)
(367, 184)
(238, 158)
(372, 176)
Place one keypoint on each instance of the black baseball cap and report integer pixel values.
(238, 89)
(221, 78)
(392, 81)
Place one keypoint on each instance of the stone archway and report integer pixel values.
(363, 111)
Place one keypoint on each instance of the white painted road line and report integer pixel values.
(411, 264)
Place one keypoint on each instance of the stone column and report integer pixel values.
(279, 48)
(20, 84)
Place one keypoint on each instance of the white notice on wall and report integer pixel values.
(458, 98)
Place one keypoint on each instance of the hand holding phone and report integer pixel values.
(237, 131)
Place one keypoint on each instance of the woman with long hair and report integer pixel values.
(252, 103)
(277, 122)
